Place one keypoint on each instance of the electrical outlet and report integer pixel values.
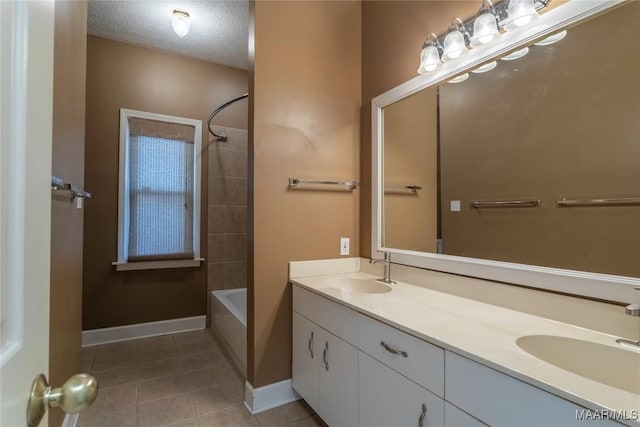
(344, 246)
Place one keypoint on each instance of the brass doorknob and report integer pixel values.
(77, 393)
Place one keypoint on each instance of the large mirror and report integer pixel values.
(533, 165)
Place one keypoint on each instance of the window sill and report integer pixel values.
(154, 265)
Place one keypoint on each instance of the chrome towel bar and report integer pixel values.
(507, 204)
(624, 201)
(294, 182)
(58, 184)
(405, 189)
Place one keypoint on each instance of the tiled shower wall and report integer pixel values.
(227, 211)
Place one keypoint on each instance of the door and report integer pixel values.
(306, 358)
(26, 103)
(387, 398)
(338, 381)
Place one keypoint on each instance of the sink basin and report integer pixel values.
(605, 364)
(360, 286)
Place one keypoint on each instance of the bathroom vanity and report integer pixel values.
(371, 354)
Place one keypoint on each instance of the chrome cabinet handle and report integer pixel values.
(311, 344)
(422, 415)
(393, 350)
(324, 355)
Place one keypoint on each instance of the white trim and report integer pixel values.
(70, 420)
(142, 330)
(607, 287)
(261, 399)
(154, 265)
(123, 188)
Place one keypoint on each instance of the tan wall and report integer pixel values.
(392, 35)
(125, 76)
(65, 323)
(561, 126)
(306, 101)
(411, 158)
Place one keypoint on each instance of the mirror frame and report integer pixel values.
(592, 285)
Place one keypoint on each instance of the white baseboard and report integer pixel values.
(263, 398)
(70, 420)
(142, 330)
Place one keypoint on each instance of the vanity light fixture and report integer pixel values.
(486, 67)
(521, 13)
(180, 22)
(430, 55)
(516, 55)
(481, 30)
(460, 78)
(485, 27)
(552, 39)
(454, 43)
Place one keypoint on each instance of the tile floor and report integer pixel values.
(180, 380)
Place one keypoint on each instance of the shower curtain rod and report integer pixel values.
(222, 137)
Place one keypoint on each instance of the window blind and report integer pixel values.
(161, 188)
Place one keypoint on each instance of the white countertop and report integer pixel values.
(482, 332)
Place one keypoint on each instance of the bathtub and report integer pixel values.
(229, 321)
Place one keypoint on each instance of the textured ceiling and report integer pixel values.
(219, 29)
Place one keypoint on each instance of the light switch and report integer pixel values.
(344, 246)
(455, 206)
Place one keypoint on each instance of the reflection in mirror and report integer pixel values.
(560, 122)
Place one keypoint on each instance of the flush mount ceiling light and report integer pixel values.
(180, 22)
(516, 55)
(486, 67)
(552, 39)
(460, 78)
(485, 27)
(521, 13)
(454, 42)
(430, 56)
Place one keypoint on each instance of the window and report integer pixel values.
(159, 193)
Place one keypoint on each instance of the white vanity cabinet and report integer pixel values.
(354, 370)
(325, 367)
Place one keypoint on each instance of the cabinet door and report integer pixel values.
(306, 356)
(454, 417)
(387, 398)
(338, 381)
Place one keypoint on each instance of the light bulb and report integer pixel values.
(454, 46)
(552, 39)
(516, 55)
(429, 59)
(180, 22)
(521, 13)
(486, 67)
(485, 29)
(460, 78)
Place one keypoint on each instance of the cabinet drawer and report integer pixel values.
(333, 317)
(387, 398)
(421, 362)
(500, 400)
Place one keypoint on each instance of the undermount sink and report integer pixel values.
(605, 364)
(360, 286)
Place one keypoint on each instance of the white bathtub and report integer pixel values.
(229, 320)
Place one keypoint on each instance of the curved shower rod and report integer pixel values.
(222, 137)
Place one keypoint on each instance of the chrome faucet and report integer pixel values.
(631, 310)
(387, 268)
